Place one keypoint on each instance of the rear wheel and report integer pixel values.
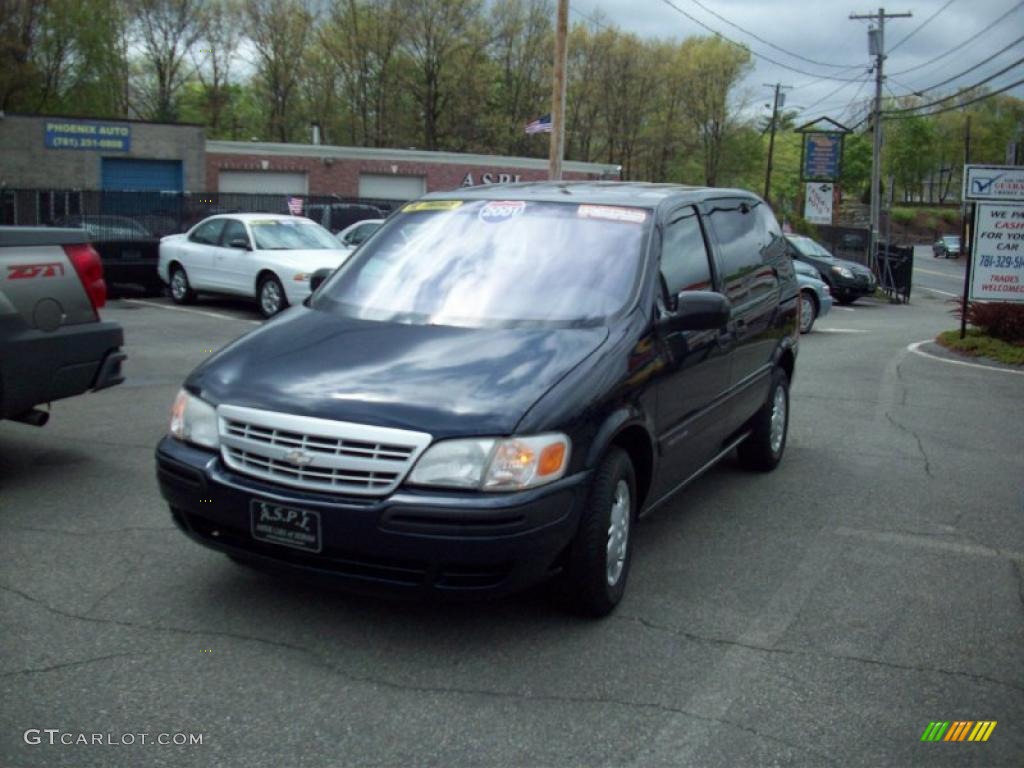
(270, 295)
(763, 449)
(599, 557)
(181, 290)
(808, 311)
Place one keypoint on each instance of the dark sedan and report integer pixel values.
(948, 247)
(847, 280)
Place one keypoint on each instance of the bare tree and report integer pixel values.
(214, 55)
(167, 31)
(280, 31)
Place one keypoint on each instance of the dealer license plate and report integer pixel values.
(287, 526)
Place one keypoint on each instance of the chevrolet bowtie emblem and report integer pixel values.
(299, 458)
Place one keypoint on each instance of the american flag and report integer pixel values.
(295, 206)
(541, 125)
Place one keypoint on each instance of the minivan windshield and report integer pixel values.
(808, 247)
(486, 263)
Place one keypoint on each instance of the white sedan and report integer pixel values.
(353, 235)
(264, 256)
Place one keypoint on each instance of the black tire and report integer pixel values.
(757, 451)
(270, 296)
(588, 573)
(845, 299)
(807, 321)
(181, 293)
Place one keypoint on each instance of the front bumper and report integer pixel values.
(413, 542)
(859, 285)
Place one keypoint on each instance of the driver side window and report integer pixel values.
(684, 255)
(207, 233)
(234, 230)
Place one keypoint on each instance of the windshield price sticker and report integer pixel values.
(613, 213)
(496, 211)
(432, 205)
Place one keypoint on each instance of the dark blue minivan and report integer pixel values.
(492, 389)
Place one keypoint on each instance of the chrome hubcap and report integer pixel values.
(778, 419)
(618, 533)
(270, 297)
(806, 313)
(178, 285)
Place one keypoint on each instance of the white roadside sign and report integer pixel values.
(993, 183)
(818, 203)
(997, 271)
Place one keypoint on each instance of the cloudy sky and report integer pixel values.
(823, 34)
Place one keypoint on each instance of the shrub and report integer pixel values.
(998, 319)
(950, 216)
(903, 215)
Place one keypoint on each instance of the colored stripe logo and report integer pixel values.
(958, 730)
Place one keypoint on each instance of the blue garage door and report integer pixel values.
(150, 175)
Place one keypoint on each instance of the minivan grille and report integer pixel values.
(317, 454)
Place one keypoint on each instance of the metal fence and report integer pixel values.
(850, 243)
(117, 215)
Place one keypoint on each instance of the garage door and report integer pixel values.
(263, 182)
(150, 175)
(383, 187)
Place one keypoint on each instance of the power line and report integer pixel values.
(921, 26)
(961, 105)
(961, 92)
(922, 91)
(770, 44)
(713, 31)
(592, 19)
(969, 40)
(843, 86)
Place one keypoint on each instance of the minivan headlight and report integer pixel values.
(494, 464)
(842, 271)
(194, 421)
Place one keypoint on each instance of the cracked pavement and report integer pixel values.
(820, 615)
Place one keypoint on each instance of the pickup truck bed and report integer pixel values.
(52, 342)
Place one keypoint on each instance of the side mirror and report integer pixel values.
(318, 277)
(240, 243)
(698, 311)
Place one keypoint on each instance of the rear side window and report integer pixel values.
(234, 230)
(208, 232)
(739, 234)
(684, 254)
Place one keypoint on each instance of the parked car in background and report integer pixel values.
(52, 342)
(355, 234)
(847, 280)
(336, 217)
(947, 247)
(815, 295)
(493, 388)
(127, 248)
(264, 256)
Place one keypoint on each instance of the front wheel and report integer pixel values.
(763, 449)
(808, 311)
(270, 294)
(599, 557)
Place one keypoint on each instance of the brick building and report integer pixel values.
(385, 174)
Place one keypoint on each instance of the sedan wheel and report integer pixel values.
(271, 296)
(181, 291)
(808, 312)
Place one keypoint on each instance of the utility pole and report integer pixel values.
(557, 149)
(780, 100)
(876, 47)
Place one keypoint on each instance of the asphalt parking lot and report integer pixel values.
(820, 615)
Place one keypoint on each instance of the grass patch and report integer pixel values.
(977, 344)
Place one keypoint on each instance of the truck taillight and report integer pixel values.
(90, 271)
